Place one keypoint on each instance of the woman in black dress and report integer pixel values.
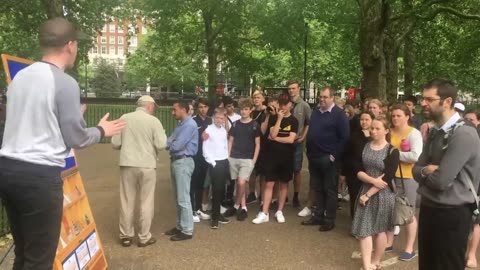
(353, 151)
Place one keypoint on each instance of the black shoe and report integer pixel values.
(180, 237)
(251, 198)
(296, 203)
(223, 220)
(242, 215)
(150, 241)
(230, 212)
(126, 242)
(172, 232)
(326, 227)
(312, 222)
(214, 224)
(228, 203)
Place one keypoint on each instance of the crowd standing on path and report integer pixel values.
(382, 152)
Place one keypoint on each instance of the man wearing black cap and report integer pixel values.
(44, 121)
(281, 132)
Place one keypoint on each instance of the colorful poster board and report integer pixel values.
(79, 246)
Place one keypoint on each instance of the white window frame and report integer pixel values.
(95, 49)
(111, 40)
(110, 50)
(112, 28)
(120, 40)
(104, 28)
(103, 39)
(120, 50)
(103, 50)
(120, 29)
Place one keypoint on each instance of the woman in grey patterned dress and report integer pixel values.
(375, 204)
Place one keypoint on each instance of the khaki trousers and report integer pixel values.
(137, 181)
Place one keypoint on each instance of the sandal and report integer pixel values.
(126, 242)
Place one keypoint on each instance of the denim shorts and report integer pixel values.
(298, 157)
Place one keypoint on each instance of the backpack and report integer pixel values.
(448, 134)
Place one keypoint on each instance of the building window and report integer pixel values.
(120, 50)
(112, 40)
(104, 50)
(95, 49)
(104, 28)
(120, 40)
(103, 39)
(120, 28)
(112, 28)
(133, 41)
(111, 50)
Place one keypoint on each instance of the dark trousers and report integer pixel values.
(230, 190)
(219, 175)
(324, 182)
(33, 198)
(198, 179)
(442, 237)
(354, 186)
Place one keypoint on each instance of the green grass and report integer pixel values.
(96, 111)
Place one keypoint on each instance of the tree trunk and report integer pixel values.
(53, 8)
(391, 67)
(211, 54)
(372, 59)
(409, 64)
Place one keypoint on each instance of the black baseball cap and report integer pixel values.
(284, 99)
(57, 32)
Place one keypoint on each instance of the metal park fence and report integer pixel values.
(96, 111)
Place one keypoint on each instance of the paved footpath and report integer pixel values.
(238, 245)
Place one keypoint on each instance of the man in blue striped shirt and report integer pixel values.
(183, 145)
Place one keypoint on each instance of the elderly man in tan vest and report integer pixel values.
(139, 143)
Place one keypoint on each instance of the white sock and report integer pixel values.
(236, 206)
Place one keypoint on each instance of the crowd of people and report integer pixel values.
(377, 150)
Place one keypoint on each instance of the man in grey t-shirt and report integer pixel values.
(44, 121)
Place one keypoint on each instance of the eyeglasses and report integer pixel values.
(429, 99)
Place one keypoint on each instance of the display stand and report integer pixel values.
(79, 245)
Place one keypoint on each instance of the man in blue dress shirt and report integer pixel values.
(183, 145)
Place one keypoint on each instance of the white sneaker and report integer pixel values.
(261, 218)
(203, 215)
(222, 210)
(280, 217)
(196, 218)
(396, 231)
(305, 212)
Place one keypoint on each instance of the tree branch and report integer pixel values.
(451, 11)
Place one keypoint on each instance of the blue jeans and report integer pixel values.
(181, 172)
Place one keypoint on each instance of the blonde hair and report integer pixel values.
(376, 101)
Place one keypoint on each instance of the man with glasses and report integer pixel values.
(448, 166)
(326, 140)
